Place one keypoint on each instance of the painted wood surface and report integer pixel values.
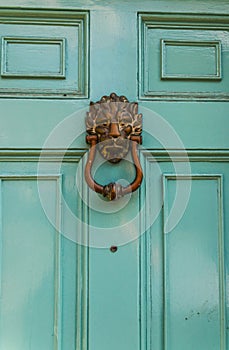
(166, 286)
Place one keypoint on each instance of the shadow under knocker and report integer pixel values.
(115, 125)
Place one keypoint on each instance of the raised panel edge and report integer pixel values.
(57, 257)
(175, 20)
(216, 44)
(33, 40)
(79, 18)
(199, 177)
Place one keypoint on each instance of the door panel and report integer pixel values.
(47, 57)
(167, 45)
(39, 268)
(194, 267)
(30, 287)
(165, 287)
(187, 290)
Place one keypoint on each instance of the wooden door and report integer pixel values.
(145, 272)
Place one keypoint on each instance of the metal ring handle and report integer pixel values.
(112, 190)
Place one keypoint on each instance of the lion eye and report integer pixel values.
(125, 120)
(103, 123)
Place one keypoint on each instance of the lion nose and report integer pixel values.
(114, 130)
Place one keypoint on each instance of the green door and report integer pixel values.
(147, 271)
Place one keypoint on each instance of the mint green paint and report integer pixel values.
(170, 42)
(59, 295)
(205, 56)
(38, 58)
(194, 252)
(35, 62)
(29, 285)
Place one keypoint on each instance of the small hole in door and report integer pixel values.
(113, 249)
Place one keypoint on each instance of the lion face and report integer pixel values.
(114, 119)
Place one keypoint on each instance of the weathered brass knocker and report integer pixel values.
(115, 125)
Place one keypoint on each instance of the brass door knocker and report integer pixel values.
(115, 125)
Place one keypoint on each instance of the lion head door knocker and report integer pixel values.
(115, 125)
